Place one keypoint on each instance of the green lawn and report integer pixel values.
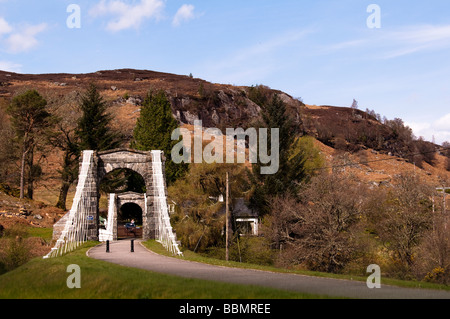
(44, 233)
(46, 279)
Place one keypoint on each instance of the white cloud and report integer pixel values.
(10, 66)
(128, 16)
(5, 28)
(443, 123)
(185, 13)
(25, 39)
(439, 129)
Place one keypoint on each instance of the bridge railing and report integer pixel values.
(75, 229)
(164, 231)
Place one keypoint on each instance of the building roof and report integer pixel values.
(240, 209)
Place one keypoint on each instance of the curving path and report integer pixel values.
(144, 259)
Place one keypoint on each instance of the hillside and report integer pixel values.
(345, 136)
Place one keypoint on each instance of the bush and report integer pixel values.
(15, 253)
(427, 150)
(432, 263)
(446, 153)
(17, 230)
(401, 218)
(319, 231)
(251, 250)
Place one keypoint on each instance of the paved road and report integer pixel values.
(144, 259)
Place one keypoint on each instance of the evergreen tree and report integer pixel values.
(94, 133)
(30, 120)
(93, 130)
(291, 160)
(154, 129)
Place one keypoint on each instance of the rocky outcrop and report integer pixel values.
(222, 108)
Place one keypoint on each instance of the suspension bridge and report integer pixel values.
(81, 223)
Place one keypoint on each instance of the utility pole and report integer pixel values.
(227, 243)
(444, 191)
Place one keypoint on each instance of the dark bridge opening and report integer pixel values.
(129, 221)
(120, 181)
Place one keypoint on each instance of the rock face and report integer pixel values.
(228, 108)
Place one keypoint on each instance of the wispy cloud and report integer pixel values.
(423, 34)
(416, 39)
(5, 28)
(254, 62)
(10, 66)
(126, 16)
(184, 14)
(24, 39)
(19, 39)
(389, 43)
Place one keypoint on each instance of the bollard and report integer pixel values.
(132, 245)
(107, 246)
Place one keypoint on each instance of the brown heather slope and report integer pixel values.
(220, 106)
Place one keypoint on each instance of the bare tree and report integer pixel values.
(402, 218)
(318, 231)
(446, 153)
(433, 256)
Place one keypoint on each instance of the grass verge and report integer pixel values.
(189, 255)
(46, 279)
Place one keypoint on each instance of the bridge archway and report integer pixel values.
(137, 161)
(141, 163)
(124, 207)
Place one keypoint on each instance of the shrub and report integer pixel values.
(319, 231)
(401, 218)
(427, 150)
(15, 253)
(437, 275)
(433, 256)
(446, 153)
(252, 250)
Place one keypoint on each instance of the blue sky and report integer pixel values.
(322, 51)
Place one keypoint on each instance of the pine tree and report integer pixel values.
(154, 129)
(30, 120)
(94, 133)
(93, 130)
(291, 164)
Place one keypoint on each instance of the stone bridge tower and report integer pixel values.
(139, 162)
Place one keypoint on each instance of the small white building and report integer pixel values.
(245, 218)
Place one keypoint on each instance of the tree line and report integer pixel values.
(32, 126)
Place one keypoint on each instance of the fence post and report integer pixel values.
(107, 246)
(132, 245)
